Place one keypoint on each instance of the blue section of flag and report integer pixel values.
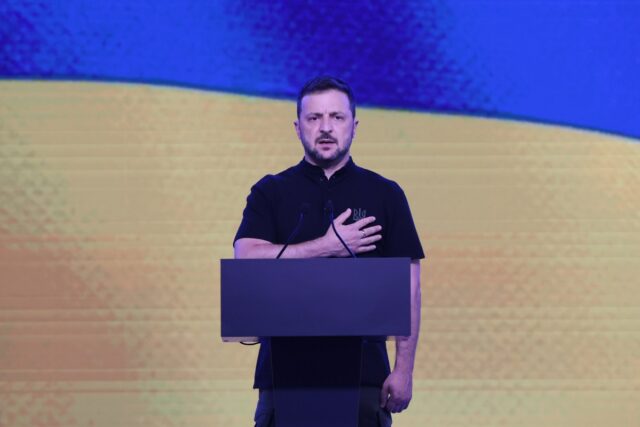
(558, 61)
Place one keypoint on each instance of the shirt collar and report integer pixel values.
(314, 171)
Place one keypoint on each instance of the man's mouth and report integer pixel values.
(326, 141)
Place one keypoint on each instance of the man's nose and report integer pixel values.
(325, 124)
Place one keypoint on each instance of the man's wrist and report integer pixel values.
(322, 247)
(405, 357)
(404, 369)
(403, 366)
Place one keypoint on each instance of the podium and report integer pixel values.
(315, 310)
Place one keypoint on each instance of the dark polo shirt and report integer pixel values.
(272, 212)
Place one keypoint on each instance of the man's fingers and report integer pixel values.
(363, 249)
(384, 395)
(364, 221)
(392, 405)
(396, 405)
(343, 216)
(371, 239)
(370, 231)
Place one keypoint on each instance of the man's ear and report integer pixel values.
(296, 125)
(355, 126)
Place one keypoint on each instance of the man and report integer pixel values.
(375, 221)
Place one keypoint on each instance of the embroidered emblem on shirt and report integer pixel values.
(359, 213)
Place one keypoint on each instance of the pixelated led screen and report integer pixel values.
(130, 134)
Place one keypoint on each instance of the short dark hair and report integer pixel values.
(322, 83)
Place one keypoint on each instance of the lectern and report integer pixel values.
(320, 307)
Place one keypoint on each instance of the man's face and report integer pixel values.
(326, 127)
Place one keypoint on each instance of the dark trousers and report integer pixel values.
(370, 415)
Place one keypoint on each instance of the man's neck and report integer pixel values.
(330, 169)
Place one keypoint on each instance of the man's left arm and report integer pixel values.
(397, 388)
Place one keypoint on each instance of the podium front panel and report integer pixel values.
(315, 297)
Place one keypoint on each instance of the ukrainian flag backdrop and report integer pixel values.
(131, 132)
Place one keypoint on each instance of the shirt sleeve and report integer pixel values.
(258, 217)
(402, 238)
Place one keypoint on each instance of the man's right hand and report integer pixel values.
(359, 236)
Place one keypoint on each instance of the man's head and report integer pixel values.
(324, 83)
(326, 121)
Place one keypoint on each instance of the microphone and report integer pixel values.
(304, 208)
(329, 208)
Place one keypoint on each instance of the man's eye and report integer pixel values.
(339, 118)
(311, 119)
